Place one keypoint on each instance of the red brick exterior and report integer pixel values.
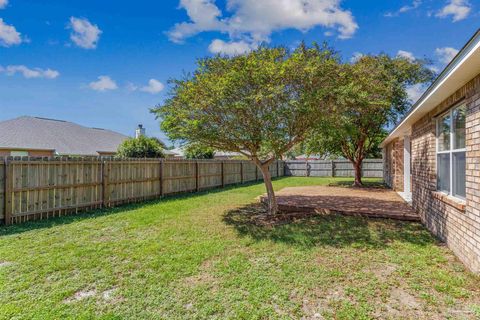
(31, 153)
(393, 165)
(455, 222)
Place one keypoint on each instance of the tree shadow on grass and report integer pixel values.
(312, 230)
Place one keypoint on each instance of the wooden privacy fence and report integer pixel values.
(372, 168)
(40, 188)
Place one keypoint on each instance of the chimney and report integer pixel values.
(140, 131)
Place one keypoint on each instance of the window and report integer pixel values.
(19, 153)
(451, 152)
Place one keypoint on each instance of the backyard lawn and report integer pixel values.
(207, 256)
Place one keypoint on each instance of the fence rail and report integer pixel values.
(372, 168)
(40, 188)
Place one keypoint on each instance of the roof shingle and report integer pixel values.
(65, 138)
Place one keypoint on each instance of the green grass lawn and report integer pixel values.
(204, 256)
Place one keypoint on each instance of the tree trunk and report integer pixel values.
(272, 206)
(357, 166)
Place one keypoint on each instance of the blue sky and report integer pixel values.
(105, 63)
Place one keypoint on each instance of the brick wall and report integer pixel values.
(456, 223)
(31, 153)
(393, 165)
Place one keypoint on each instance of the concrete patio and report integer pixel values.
(369, 202)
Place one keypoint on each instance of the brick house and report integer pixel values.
(432, 157)
(41, 137)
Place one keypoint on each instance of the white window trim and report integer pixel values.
(18, 153)
(451, 151)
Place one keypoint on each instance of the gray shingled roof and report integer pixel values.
(65, 138)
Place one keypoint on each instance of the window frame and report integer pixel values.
(450, 152)
(19, 153)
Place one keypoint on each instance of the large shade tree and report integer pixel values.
(371, 95)
(260, 104)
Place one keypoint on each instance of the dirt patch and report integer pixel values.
(402, 304)
(199, 279)
(383, 271)
(317, 302)
(81, 295)
(5, 264)
(404, 299)
(109, 294)
(204, 277)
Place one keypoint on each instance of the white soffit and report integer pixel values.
(463, 68)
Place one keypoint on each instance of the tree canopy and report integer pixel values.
(371, 95)
(197, 151)
(141, 147)
(260, 104)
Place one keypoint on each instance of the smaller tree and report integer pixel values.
(141, 147)
(371, 95)
(198, 151)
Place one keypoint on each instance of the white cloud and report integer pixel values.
(204, 16)
(9, 36)
(446, 54)
(154, 86)
(406, 54)
(356, 56)
(231, 48)
(29, 73)
(3, 4)
(458, 9)
(414, 5)
(253, 21)
(434, 69)
(103, 83)
(415, 92)
(84, 34)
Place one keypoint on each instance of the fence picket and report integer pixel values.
(37, 188)
(372, 168)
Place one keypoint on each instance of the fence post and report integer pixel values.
(223, 173)
(105, 184)
(333, 168)
(7, 192)
(241, 171)
(197, 177)
(161, 178)
(278, 172)
(307, 171)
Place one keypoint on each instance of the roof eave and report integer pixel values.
(422, 106)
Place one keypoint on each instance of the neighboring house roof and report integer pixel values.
(463, 68)
(311, 156)
(226, 154)
(178, 152)
(169, 152)
(63, 137)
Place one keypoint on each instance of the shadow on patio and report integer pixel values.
(369, 202)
